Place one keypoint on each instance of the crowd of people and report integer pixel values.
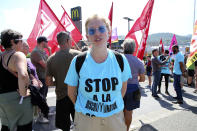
(97, 86)
(170, 66)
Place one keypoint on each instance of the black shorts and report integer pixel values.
(190, 72)
(148, 70)
(130, 102)
(64, 108)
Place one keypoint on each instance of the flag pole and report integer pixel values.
(76, 45)
(194, 12)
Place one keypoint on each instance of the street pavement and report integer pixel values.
(162, 115)
(184, 120)
(153, 114)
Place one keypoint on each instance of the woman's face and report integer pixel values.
(19, 44)
(97, 32)
(25, 48)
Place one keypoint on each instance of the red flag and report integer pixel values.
(110, 17)
(1, 48)
(70, 26)
(161, 45)
(45, 25)
(143, 23)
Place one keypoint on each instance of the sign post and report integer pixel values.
(77, 19)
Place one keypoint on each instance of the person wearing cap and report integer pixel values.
(38, 59)
(57, 67)
(132, 96)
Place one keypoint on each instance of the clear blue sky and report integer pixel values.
(174, 16)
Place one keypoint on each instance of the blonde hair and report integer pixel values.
(106, 21)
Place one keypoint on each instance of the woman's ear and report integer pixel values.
(12, 42)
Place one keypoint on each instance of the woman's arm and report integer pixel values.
(72, 93)
(20, 63)
(124, 88)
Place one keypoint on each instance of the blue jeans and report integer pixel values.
(156, 78)
(177, 87)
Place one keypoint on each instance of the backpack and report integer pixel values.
(81, 58)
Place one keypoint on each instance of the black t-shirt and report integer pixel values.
(162, 58)
(8, 82)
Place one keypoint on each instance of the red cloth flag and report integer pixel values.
(161, 45)
(110, 17)
(143, 23)
(70, 26)
(45, 25)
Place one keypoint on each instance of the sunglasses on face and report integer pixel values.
(101, 29)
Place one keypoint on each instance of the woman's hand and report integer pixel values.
(36, 82)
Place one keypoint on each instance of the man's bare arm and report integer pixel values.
(141, 77)
(49, 81)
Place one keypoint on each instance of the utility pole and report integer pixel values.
(129, 19)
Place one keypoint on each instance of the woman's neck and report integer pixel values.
(8, 50)
(99, 54)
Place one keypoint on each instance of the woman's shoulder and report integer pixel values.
(18, 57)
(19, 54)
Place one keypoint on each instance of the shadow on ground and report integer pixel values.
(47, 126)
(147, 127)
(193, 109)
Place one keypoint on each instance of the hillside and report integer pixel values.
(154, 39)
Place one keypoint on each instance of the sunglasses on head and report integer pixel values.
(101, 29)
(17, 40)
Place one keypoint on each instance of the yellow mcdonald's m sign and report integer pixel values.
(76, 13)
